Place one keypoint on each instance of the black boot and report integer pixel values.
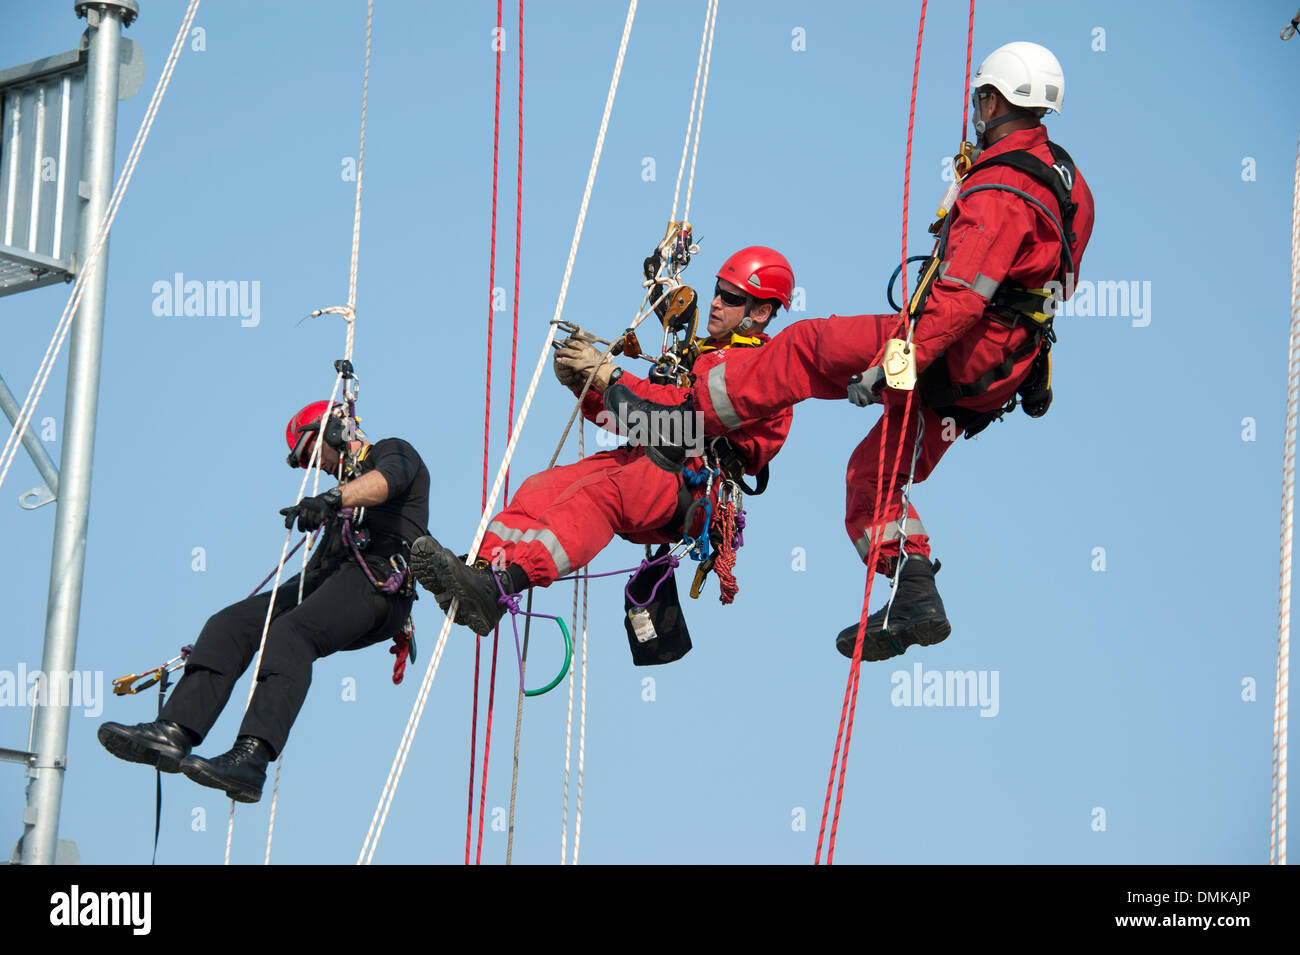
(637, 417)
(161, 743)
(425, 569)
(240, 772)
(476, 588)
(917, 617)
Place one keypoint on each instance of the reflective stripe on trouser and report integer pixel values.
(911, 527)
(560, 519)
(860, 517)
(813, 358)
(542, 535)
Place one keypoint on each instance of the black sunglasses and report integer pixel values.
(729, 298)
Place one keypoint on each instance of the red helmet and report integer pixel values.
(762, 272)
(302, 426)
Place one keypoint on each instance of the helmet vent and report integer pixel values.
(1023, 89)
(1053, 92)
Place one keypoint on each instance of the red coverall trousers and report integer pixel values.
(560, 519)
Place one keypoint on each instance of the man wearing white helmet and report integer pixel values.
(982, 327)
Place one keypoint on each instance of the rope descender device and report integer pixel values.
(128, 686)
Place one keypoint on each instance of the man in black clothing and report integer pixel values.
(384, 498)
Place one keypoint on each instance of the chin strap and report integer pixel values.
(982, 128)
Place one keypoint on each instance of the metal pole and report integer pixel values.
(45, 791)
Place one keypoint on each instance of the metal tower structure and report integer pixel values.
(57, 147)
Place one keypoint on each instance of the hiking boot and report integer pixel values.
(423, 566)
(650, 425)
(917, 617)
(161, 743)
(480, 605)
(241, 773)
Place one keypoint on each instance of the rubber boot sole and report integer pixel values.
(423, 565)
(886, 644)
(200, 771)
(470, 610)
(166, 758)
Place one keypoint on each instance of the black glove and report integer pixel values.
(312, 512)
(865, 389)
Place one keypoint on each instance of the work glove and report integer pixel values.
(312, 512)
(565, 375)
(578, 358)
(867, 388)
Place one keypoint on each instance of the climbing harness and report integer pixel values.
(1011, 305)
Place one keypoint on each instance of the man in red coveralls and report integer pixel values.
(560, 519)
(979, 340)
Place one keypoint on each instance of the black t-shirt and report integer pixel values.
(393, 525)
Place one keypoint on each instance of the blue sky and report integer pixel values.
(1119, 690)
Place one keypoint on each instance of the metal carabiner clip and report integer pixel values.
(126, 685)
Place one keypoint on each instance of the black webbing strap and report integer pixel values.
(1049, 176)
(939, 392)
(157, 812)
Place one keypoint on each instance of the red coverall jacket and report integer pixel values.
(560, 519)
(994, 236)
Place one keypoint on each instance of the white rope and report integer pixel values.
(568, 726)
(275, 795)
(690, 121)
(704, 87)
(349, 313)
(582, 725)
(568, 719)
(312, 464)
(87, 269)
(697, 101)
(395, 773)
(1277, 828)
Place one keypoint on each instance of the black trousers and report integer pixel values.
(341, 610)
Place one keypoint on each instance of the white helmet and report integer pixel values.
(1027, 75)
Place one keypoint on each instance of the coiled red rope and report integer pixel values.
(724, 565)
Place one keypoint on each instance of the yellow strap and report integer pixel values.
(737, 341)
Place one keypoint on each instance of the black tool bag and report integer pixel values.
(657, 632)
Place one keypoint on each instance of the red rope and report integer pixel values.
(725, 563)
(492, 256)
(965, 99)
(510, 416)
(519, 218)
(845, 734)
(487, 410)
(401, 648)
